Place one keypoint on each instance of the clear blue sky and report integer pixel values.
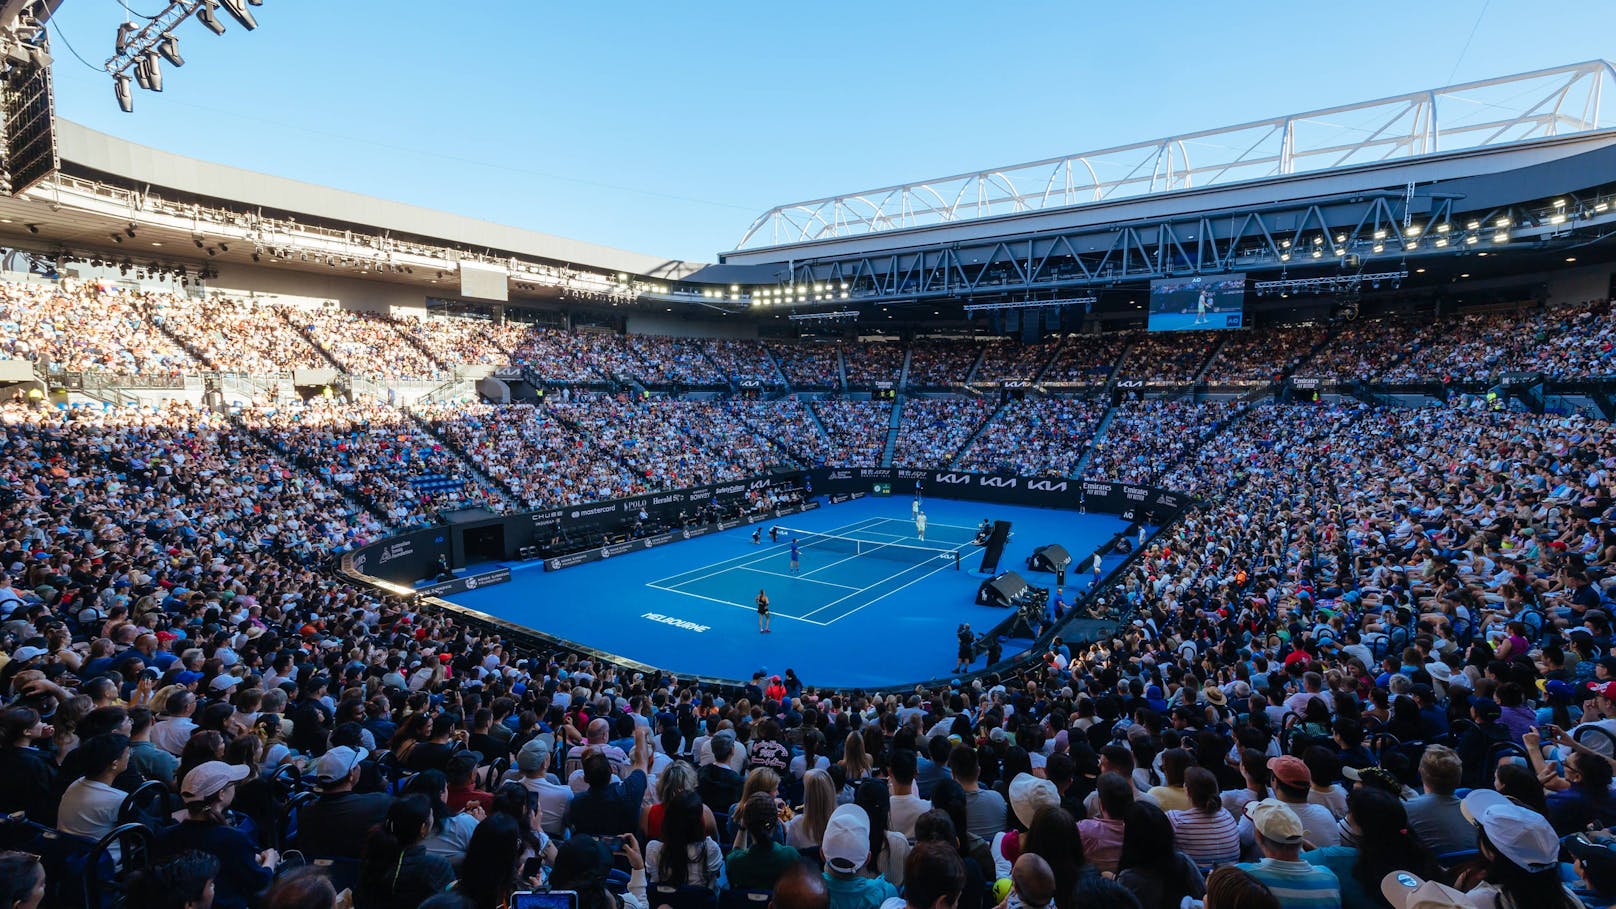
(666, 128)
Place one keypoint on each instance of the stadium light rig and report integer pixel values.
(836, 316)
(1030, 304)
(1331, 283)
(139, 52)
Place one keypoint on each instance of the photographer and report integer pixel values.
(967, 647)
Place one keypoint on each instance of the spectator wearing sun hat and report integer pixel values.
(1028, 796)
(1409, 891)
(1521, 854)
(846, 849)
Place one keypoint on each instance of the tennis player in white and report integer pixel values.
(920, 524)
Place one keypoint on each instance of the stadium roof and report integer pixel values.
(1548, 103)
(83, 149)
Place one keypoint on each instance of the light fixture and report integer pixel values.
(1413, 230)
(126, 95)
(208, 14)
(169, 47)
(1571, 258)
(1472, 240)
(1501, 222)
(1559, 203)
(1500, 237)
(1557, 218)
(1380, 235)
(130, 230)
(239, 12)
(1601, 206)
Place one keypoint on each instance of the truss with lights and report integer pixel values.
(837, 316)
(141, 50)
(1030, 304)
(1329, 284)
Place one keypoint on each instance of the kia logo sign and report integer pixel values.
(953, 479)
(1046, 485)
(998, 482)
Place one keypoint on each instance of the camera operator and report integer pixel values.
(967, 646)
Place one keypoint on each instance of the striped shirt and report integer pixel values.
(1208, 838)
(1297, 885)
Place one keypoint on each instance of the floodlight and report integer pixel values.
(208, 15)
(169, 47)
(126, 96)
(239, 12)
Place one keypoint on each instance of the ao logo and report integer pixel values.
(471, 583)
(555, 564)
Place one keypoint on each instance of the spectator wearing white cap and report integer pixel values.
(1297, 884)
(208, 790)
(1028, 796)
(846, 850)
(1521, 855)
(555, 797)
(335, 825)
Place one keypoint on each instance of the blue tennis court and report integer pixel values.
(841, 571)
(872, 605)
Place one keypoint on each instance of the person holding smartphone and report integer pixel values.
(582, 865)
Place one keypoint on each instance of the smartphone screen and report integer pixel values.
(553, 899)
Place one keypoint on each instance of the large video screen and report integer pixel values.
(1199, 303)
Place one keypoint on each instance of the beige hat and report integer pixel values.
(1408, 891)
(1275, 821)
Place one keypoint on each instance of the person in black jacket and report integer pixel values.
(336, 825)
(27, 777)
(397, 872)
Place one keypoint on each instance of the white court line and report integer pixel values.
(897, 574)
(933, 524)
(798, 577)
(772, 550)
(881, 597)
(940, 554)
(772, 613)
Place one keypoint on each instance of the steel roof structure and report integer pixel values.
(1490, 113)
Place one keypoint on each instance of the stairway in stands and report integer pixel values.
(892, 432)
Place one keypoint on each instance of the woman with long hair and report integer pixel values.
(492, 869)
(807, 829)
(1151, 866)
(761, 781)
(1521, 785)
(855, 760)
(936, 826)
(1206, 832)
(511, 798)
(1259, 782)
(948, 796)
(1380, 825)
(1051, 837)
(416, 728)
(676, 779)
(685, 856)
(396, 871)
(583, 865)
(888, 848)
(813, 755)
(757, 865)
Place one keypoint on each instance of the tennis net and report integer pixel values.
(916, 551)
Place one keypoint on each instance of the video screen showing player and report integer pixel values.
(1199, 303)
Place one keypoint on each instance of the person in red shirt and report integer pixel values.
(461, 772)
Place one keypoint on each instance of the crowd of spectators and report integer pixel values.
(1261, 356)
(1364, 349)
(1145, 438)
(1169, 358)
(375, 452)
(367, 344)
(1010, 359)
(857, 429)
(789, 423)
(808, 364)
(85, 327)
(1087, 359)
(744, 361)
(1559, 342)
(871, 362)
(933, 430)
(461, 341)
(942, 364)
(1035, 437)
(552, 355)
(543, 460)
(248, 337)
(1370, 611)
(674, 361)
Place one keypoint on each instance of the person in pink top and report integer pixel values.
(1102, 836)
